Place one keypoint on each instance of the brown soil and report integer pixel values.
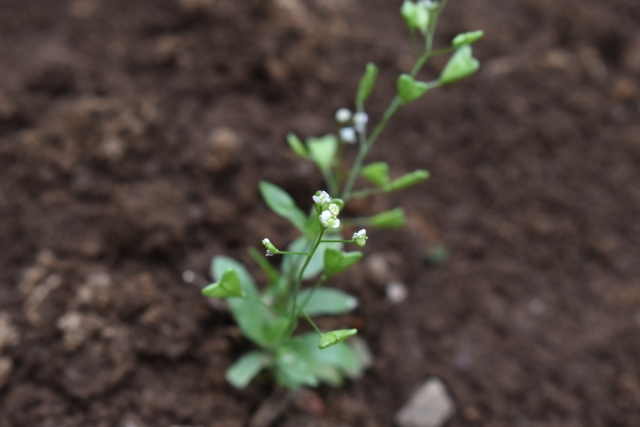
(132, 138)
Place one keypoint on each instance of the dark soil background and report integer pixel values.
(132, 138)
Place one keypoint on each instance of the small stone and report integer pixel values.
(188, 276)
(537, 306)
(224, 149)
(34, 304)
(396, 292)
(378, 269)
(430, 406)
(6, 366)
(9, 335)
(112, 148)
(77, 327)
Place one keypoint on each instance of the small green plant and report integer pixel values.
(270, 318)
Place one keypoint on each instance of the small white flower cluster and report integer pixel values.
(322, 198)
(348, 134)
(329, 216)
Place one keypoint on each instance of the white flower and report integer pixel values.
(360, 121)
(334, 209)
(269, 253)
(322, 198)
(328, 220)
(348, 135)
(360, 238)
(343, 115)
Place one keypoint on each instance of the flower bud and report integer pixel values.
(343, 115)
(360, 238)
(270, 247)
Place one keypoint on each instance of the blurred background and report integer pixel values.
(132, 138)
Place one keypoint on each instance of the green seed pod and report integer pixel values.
(228, 286)
(409, 89)
(394, 218)
(366, 83)
(416, 16)
(461, 65)
(297, 146)
(467, 38)
(334, 337)
(407, 180)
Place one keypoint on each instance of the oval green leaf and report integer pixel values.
(282, 204)
(327, 301)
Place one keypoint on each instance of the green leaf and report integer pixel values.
(467, 38)
(269, 270)
(377, 173)
(292, 370)
(367, 83)
(461, 65)
(341, 356)
(334, 337)
(409, 89)
(297, 146)
(415, 15)
(390, 219)
(254, 320)
(228, 286)
(322, 150)
(327, 301)
(291, 264)
(336, 261)
(281, 203)
(246, 368)
(407, 180)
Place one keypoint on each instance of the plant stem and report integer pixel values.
(292, 253)
(313, 290)
(330, 179)
(311, 322)
(337, 241)
(391, 110)
(299, 279)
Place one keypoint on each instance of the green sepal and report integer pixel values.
(407, 180)
(336, 261)
(282, 203)
(227, 287)
(269, 270)
(410, 89)
(460, 66)
(394, 218)
(415, 15)
(328, 301)
(377, 173)
(367, 83)
(334, 337)
(297, 146)
(467, 38)
(246, 368)
(322, 150)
